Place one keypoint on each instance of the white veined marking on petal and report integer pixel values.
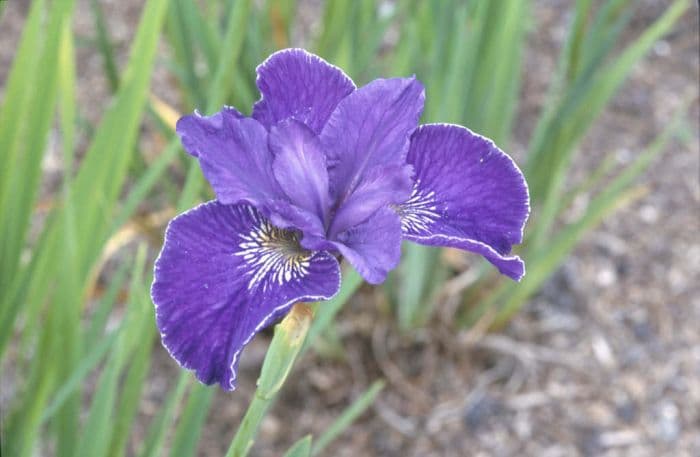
(273, 255)
(419, 211)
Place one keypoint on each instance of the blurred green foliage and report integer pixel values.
(54, 330)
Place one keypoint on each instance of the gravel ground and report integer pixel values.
(604, 361)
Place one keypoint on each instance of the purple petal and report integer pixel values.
(370, 128)
(233, 154)
(468, 194)
(300, 166)
(378, 188)
(223, 275)
(295, 83)
(374, 247)
(284, 214)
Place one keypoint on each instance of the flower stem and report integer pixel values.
(245, 436)
(283, 351)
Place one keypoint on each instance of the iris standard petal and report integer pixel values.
(370, 128)
(224, 274)
(467, 194)
(373, 247)
(295, 83)
(233, 154)
(299, 165)
(377, 188)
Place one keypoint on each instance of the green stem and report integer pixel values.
(284, 349)
(245, 436)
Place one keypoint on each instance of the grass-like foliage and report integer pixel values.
(54, 330)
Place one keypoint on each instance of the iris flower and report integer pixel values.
(321, 170)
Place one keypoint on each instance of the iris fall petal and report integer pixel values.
(224, 274)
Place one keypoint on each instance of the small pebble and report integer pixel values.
(589, 440)
(649, 214)
(627, 411)
(479, 413)
(606, 277)
(667, 421)
(662, 48)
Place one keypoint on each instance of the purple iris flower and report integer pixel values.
(320, 170)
